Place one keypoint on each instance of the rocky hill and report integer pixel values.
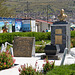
(39, 8)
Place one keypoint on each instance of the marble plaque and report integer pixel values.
(58, 39)
(58, 31)
(23, 46)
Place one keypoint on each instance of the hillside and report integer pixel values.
(40, 8)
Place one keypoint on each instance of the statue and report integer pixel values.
(62, 16)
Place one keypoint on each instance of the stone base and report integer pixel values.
(51, 57)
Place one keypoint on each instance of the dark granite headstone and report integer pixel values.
(24, 46)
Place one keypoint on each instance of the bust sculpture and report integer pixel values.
(62, 16)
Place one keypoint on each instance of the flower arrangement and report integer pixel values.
(48, 66)
(28, 70)
(6, 60)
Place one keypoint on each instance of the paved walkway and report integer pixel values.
(31, 61)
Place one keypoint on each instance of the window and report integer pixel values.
(48, 26)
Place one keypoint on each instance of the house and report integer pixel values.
(42, 25)
(25, 25)
(28, 25)
(18, 24)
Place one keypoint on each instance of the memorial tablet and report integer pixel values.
(58, 31)
(58, 39)
(24, 46)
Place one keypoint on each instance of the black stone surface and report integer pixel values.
(60, 22)
(50, 49)
(50, 57)
(65, 27)
(63, 45)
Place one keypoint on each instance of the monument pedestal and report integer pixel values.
(58, 56)
(60, 35)
(51, 57)
(51, 52)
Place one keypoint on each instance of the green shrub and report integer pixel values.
(73, 41)
(39, 49)
(9, 37)
(48, 66)
(72, 34)
(28, 70)
(6, 60)
(38, 36)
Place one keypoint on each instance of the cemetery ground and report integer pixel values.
(58, 70)
(67, 69)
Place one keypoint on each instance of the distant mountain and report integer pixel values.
(39, 8)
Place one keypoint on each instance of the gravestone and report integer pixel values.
(24, 46)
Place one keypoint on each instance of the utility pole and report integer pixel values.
(27, 8)
(47, 13)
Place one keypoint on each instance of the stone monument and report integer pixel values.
(60, 32)
(60, 37)
(24, 46)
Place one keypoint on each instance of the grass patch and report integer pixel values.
(63, 70)
(38, 42)
(42, 43)
(39, 49)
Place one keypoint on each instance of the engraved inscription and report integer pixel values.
(23, 46)
(58, 39)
(58, 31)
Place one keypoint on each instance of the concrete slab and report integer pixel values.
(32, 60)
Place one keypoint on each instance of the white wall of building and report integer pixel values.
(44, 26)
(33, 27)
